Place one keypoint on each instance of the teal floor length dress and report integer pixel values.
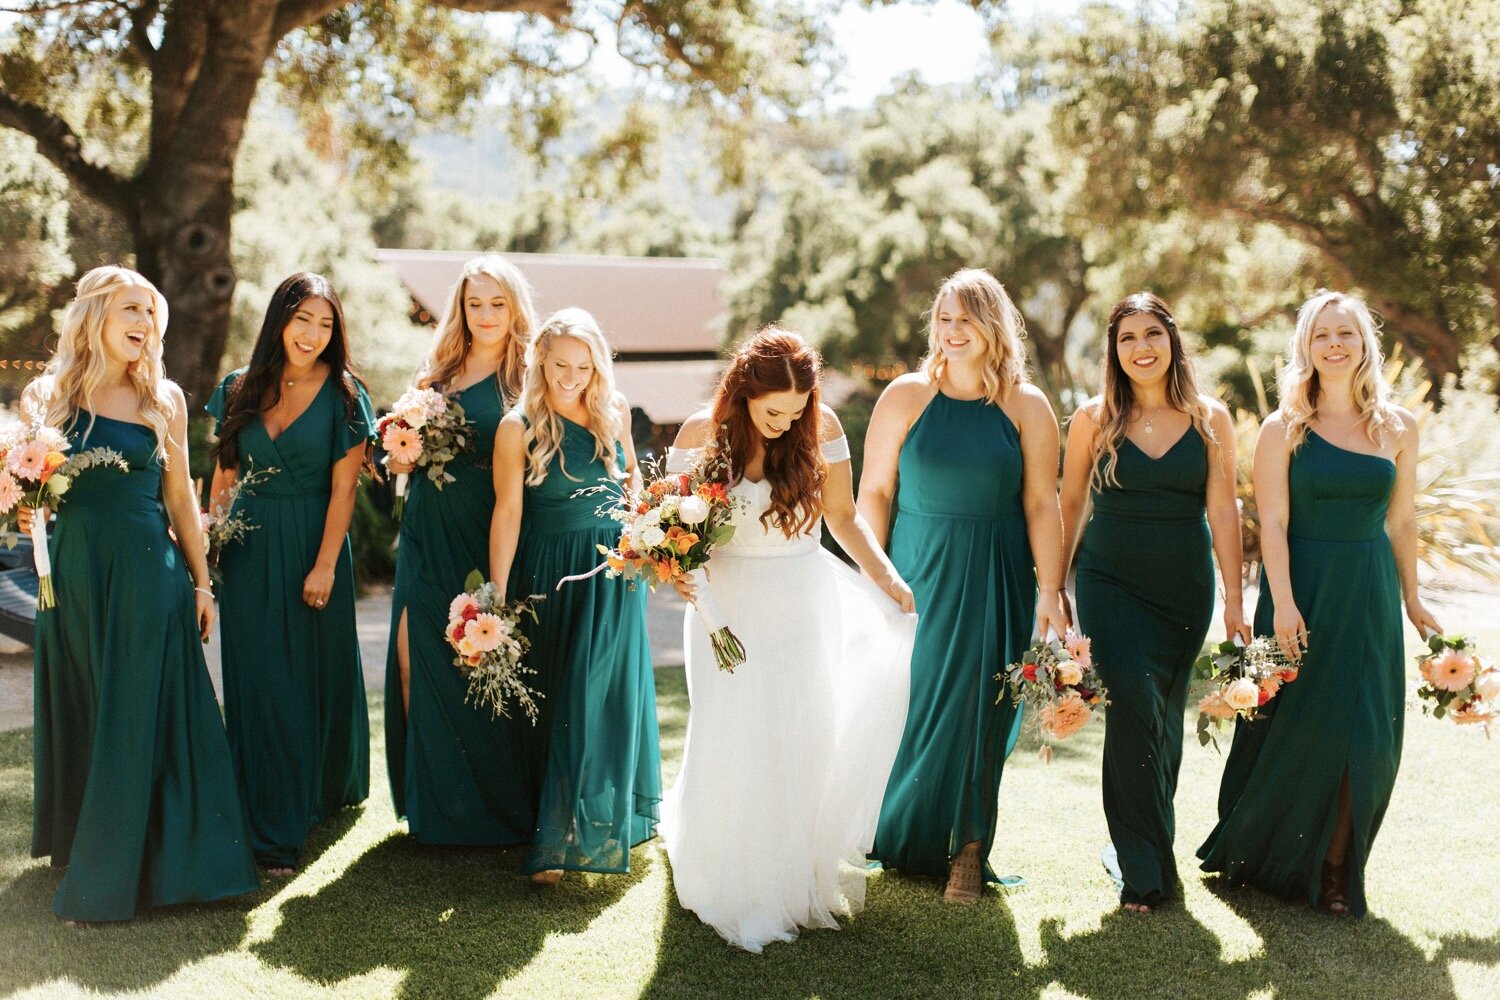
(449, 761)
(960, 542)
(1145, 593)
(294, 692)
(1343, 714)
(593, 760)
(134, 792)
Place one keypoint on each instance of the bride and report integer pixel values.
(786, 758)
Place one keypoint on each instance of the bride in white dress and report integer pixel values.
(786, 758)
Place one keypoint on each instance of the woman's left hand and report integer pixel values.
(1422, 618)
(317, 586)
(1050, 614)
(206, 612)
(1235, 624)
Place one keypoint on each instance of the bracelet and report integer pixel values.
(204, 590)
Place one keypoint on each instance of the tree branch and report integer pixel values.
(62, 147)
(140, 38)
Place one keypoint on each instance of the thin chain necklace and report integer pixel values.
(1148, 419)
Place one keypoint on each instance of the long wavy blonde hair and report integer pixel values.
(78, 366)
(451, 347)
(544, 428)
(1000, 325)
(1118, 398)
(1298, 386)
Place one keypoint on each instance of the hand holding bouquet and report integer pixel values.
(1058, 680)
(1244, 679)
(1457, 683)
(424, 429)
(484, 631)
(222, 524)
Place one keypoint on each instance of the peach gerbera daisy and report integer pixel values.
(485, 632)
(403, 444)
(1065, 716)
(10, 492)
(29, 460)
(1450, 670)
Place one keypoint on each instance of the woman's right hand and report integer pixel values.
(23, 519)
(396, 468)
(685, 589)
(896, 589)
(1291, 631)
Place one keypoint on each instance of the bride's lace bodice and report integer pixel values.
(751, 535)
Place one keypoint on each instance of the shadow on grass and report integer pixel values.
(455, 921)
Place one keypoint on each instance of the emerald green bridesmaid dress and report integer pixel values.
(1145, 592)
(960, 542)
(294, 692)
(134, 791)
(593, 760)
(1343, 714)
(448, 760)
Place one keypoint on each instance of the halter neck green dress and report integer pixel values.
(592, 763)
(447, 759)
(959, 540)
(1343, 714)
(294, 691)
(1145, 591)
(134, 791)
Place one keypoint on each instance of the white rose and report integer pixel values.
(416, 420)
(652, 516)
(1487, 687)
(692, 510)
(59, 484)
(653, 536)
(1242, 694)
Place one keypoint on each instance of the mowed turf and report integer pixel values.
(372, 914)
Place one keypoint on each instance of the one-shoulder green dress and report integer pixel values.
(593, 760)
(1343, 714)
(448, 760)
(960, 542)
(1145, 591)
(294, 692)
(134, 791)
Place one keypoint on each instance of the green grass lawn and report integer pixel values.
(373, 914)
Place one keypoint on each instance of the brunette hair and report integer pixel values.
(259, 388)
(776, 360)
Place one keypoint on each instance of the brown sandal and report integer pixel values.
(965, 877)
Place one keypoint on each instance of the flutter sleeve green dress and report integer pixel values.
(593, 760)
(1344, 713)
(134, 791)
(960, 542)
(294, 693)
(449, 761)
(1145, 593)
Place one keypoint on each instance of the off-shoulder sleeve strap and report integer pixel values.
(359, 427)
(218, 402)
(683, 459)
(836, 450)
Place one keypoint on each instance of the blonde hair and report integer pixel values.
(984, 300)
(77, 368)
(1298, 386)
(544, 431)
(451, 347)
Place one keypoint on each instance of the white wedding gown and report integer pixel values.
(786, 759)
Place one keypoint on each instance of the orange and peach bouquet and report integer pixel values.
(427, 429)
(35, 473)
(670, 527)
(485, 633)
(1058, 680)
(1457, 683)
(1244, 679)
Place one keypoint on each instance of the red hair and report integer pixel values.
(776, 360)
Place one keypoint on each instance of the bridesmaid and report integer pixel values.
(591, 765)
(1154, 456)
(134, 788)
(446, 761)
(974, 449)
(1306, 786)
(294, 694)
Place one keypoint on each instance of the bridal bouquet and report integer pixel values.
(669, 528)
(485, 633)
(1058, 680)
(426, 429)
(1244, 678)
(1457, 682)
(35, 473)
(222, 524)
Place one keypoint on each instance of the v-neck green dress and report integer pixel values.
(294, 693)
(960, 542)
(1145, 592)
(1344, 713)
(134, 791)
(449, 761)
(592, 764)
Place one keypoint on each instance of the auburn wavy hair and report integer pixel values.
(776, 360)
